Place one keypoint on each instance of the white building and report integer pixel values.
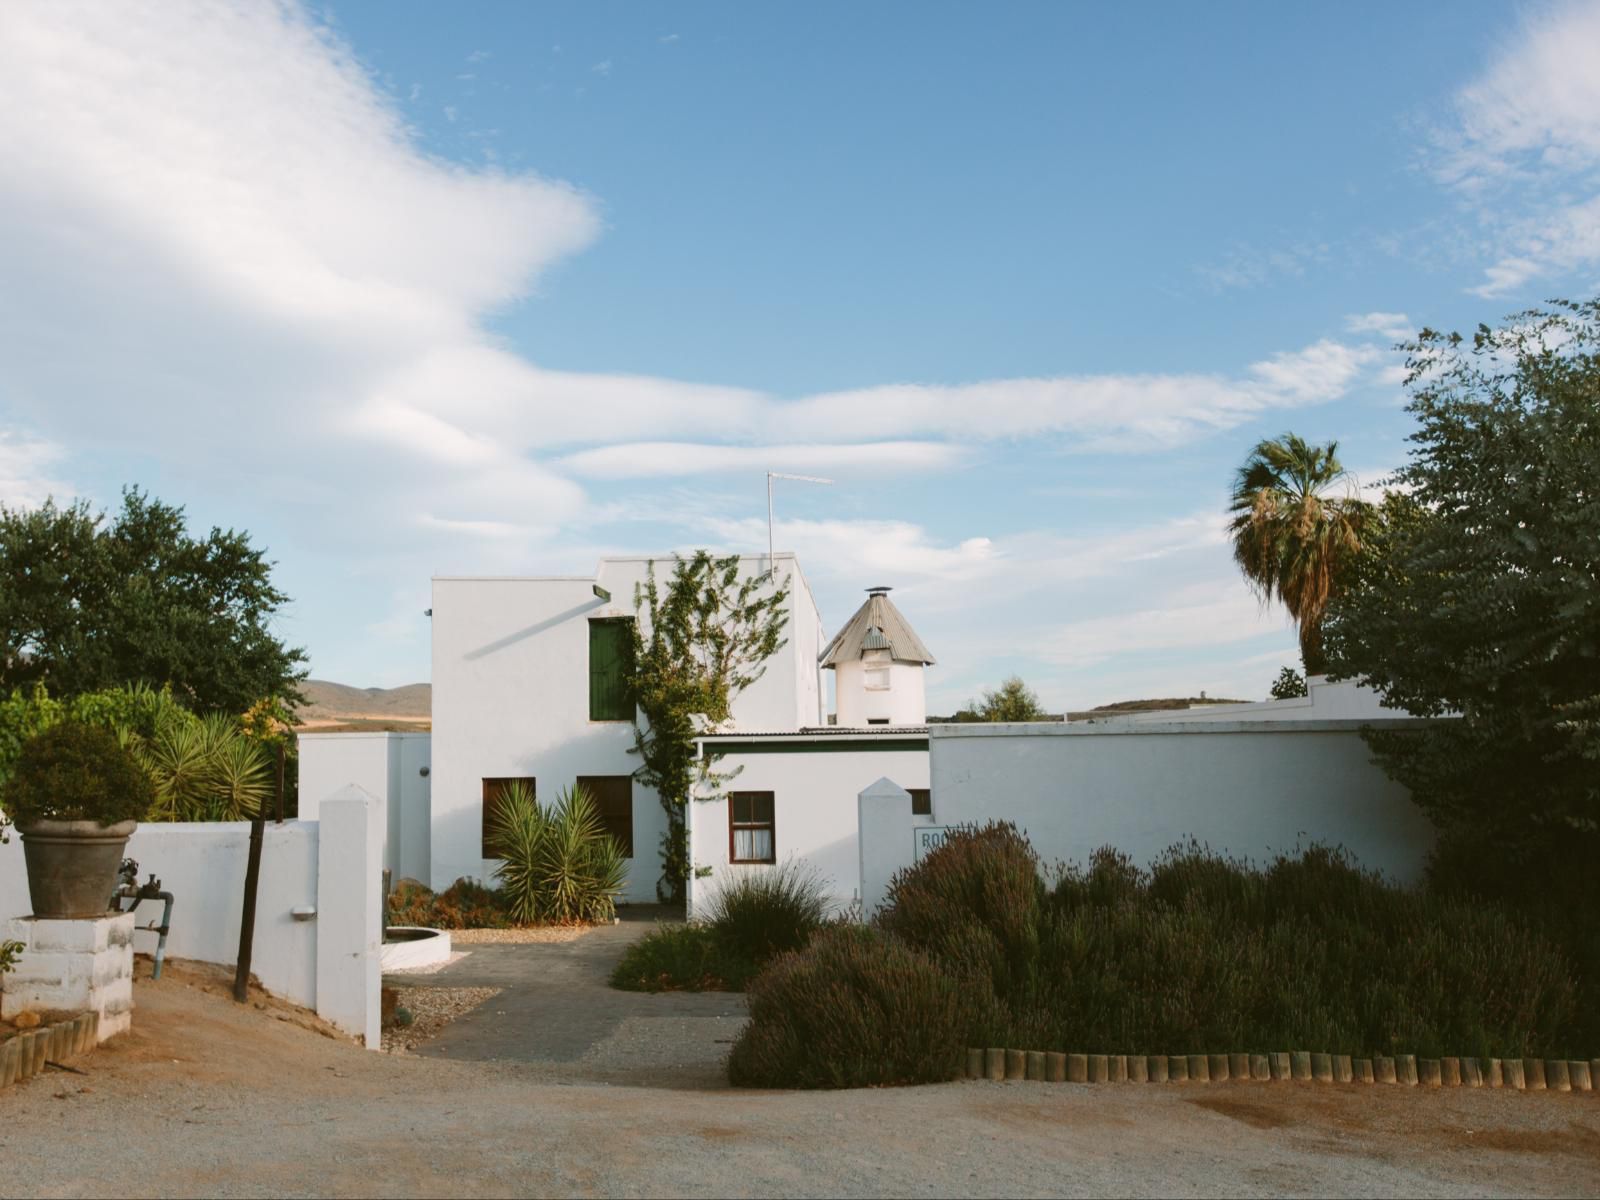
(527, 684)
(792, 794)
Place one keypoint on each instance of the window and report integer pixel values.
(877, 720)
(613, 800)
(921, 802)
(492, 790)
(877, 679)
(751, 834)
(610, 656)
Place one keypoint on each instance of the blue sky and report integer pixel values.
(407, 288)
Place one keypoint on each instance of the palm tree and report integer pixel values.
(1291, 538)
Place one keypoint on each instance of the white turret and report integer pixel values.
(877, 661)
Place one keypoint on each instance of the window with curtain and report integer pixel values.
(751, 829)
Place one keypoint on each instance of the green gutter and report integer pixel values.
(823, 745)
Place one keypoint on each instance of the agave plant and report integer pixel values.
(557, 865)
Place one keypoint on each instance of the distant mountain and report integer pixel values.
(333, 707)
(1133, 706)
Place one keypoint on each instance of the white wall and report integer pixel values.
(904, 703)
(203, 866)
(815, 792)
(1248, 789)
(388, 767)
(511, 698)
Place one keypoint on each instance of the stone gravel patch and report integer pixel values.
(432, 1008)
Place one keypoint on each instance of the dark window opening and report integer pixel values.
(921, 802)
(877, 720)
(610, 663)
(493, 789)
(613, 801)
(752, 832)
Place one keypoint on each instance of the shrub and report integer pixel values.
(974, 902)
(465, 904)
(1199, 953)
(76, 772)
(855, 1008)
(1313, 951)
(557, 865)
(681, 958)
(758, 914)
(202, 768)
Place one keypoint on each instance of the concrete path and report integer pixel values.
(558, 1011)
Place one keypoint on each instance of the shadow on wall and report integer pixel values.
(522, 635)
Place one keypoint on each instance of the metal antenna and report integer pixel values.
(771, 475)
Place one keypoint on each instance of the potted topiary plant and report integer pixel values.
(75, 795)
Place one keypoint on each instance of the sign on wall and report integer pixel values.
(926, 838)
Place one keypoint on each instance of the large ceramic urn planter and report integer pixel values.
(72, 865)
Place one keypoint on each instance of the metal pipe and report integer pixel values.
(138, 893)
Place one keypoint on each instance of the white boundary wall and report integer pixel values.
(1247, 789)
(394, 768)
(320, 962)
(814, 783)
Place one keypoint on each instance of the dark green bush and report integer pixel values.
(974, 903)
(682, 958)
(76, 772)
(1311, 952)
(759, 914)
(1198, 954)
(855, 1008)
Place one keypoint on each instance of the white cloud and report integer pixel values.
(24, 466)
(1394, 326)
(1217, 614)
(602, 67)
(1253, 266)
(228, 256)
(638, 460)
(1524, 148)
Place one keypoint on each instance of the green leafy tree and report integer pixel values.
(1292, 537)
(88, 603)
(1479, 593)
(700, 639)
(1013, 700)
(1289, 685)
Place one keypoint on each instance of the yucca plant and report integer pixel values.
(557, 865)
(203, 769)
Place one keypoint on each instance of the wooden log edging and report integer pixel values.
(26, 1054)
(1051, 1066)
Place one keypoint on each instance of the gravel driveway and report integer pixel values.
(556, 1009)
(206, 1097)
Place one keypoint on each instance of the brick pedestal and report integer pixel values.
(83, 965)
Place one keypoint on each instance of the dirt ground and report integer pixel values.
(206, 1097)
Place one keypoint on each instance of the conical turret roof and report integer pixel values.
(877, 625)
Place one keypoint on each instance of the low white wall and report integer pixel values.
(1246, 789)
(815, 809)
(203, 866)
(333, 870)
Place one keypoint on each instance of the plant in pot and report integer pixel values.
(75, 795)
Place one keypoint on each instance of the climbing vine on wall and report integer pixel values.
(701, 637)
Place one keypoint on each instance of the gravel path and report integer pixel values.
(206, 1097)
(556, 1008)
